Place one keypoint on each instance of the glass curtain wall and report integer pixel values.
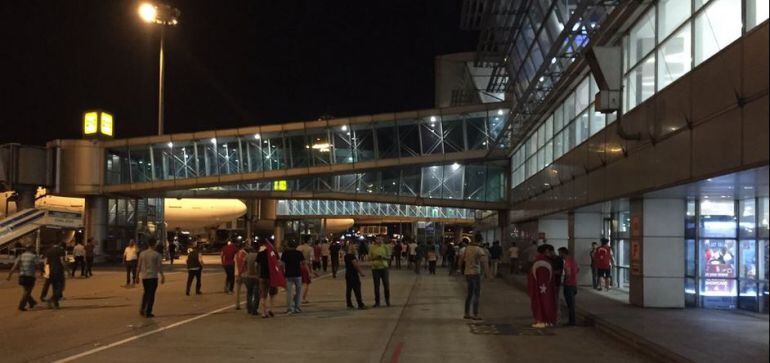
(726, 253)
(674, 36)
(341, 144)
(665, 43)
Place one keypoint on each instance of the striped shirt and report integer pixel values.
(27, 262)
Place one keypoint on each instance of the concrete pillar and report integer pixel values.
(503, 221)
(267, 209)
(278, 233)
(657, 252)
(323, 228)
(95, 221)
(556, 229)
(251, 208)
(586, 227)
(458, 234)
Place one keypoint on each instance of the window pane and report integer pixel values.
(748, 218)
(597, 121)
(548, 153)
(642, 38)
(689, 258)
(582, 130)
(717, 218)
(558, 146)
(717, 258)
(581, 96)
(640, 83)
(549, 128)
(748, 259)
(716, 27)
(671, 13)
(756, 12)
(763, 214)
(569, 108)
(674, 58)
(558, 119)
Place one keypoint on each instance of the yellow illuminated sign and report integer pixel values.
(280, 185)
(106, 123)
(90, 123)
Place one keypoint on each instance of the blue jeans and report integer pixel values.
(474, 294)
(297, 282)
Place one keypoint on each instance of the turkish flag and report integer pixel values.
(277, 279)
(542, 291)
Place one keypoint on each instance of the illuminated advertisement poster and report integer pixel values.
(718, 267)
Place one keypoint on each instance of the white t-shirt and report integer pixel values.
(79, 250)
(129, 254)
(412, 248)
(513, 252)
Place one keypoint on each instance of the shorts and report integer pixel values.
(305, 274)
(604, 272)
(264, 288)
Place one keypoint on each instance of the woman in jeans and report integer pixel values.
(130, 256)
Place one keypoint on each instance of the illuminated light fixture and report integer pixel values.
(97, 124)
(214, 140)
(170, 144)
(148, 12)
(307, 146)
(433, 119)
(256, 137)
(500, 112)
(280, 185)
(345, 128)
(322, 147)
(455, 166)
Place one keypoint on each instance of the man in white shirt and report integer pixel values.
(149, 269)
(79, 252)
(513, 258)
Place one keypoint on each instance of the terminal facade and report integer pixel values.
(645, 123)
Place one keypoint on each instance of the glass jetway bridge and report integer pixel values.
(438, 157)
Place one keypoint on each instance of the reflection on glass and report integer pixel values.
(674, 57)
(717, 218)
(716, 27)
(642, 38)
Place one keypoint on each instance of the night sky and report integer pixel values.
(229, 63)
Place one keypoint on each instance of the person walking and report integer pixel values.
(240, 266)
(90, 247)
(46, 280)
(227, 257)
(379, 254)
(412, 250)
(171, 252)
(495, 253)
(513, 258)
(451, 256)
(79, 252)
(571, 270)
(594, 272)
(251, 280)
(396, 255)
(334, 249)
(473, 262)
(325, 252)
(603, 256)
(292, 264)
(432, 258)
(557, 267)
(150, 267)
(194, 270)
(270, 277)
(130, 256)
(353, 273)
(26, 263)
(54, 257)
(419, 255)
(306, 268)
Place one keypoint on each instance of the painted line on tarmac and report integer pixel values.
(139, 336)
(397, 353)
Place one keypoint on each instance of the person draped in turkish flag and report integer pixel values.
(542, 290)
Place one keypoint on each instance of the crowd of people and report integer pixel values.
(261, 271)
